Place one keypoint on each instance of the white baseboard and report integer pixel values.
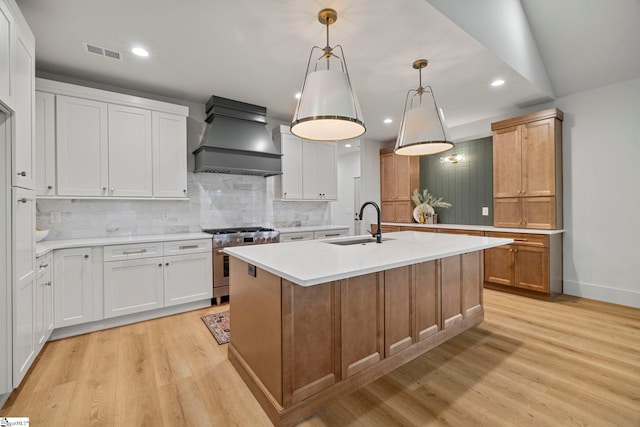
(626, 297)
(4, 398)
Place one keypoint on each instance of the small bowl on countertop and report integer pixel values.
(41, 235)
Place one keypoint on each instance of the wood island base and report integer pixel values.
(299, 349)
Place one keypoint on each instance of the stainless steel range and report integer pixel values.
(226, 237)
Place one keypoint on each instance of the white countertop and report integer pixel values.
(312, 262)
(312, 228)
(475, 227)
(46, 246)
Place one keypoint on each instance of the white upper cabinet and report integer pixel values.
(6, 57)
(309, 168)
(81, 147)
(130, 157)
(45, 129)
(112, 145)
(169, 155)
(24, 83)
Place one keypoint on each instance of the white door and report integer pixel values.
(24, 281)
(81, 147)
(6, 58)
(132, 286)
(169, 137)
(130, 155)
(73, 296)
(291, 167)
(6, 303)
(310, 170)
(357, 224)
(327, 171)
(187, 278)
(45, 136)
(24, 144)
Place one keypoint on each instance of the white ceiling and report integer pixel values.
(256, 51)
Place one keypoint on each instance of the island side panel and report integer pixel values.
(311, 339)
(451, 284)
(362, 322)
(255, 322)
(398, 309)
(427, 299)
(472, 278)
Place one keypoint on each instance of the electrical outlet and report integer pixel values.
(485, 211)
(55, 217)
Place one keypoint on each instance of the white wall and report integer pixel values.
(370, 178)
(601, 149)
(342, 210)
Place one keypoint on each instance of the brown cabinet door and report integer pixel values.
(398, 310)
(387, 177)
(472, 283)
(507, 163)
(404, 212)
(451, 288)
(507, 212)
(538, 158)
(310, 339)
(499, 265)
(362, 322)
(532, 268)
(539, 212)
(427, 295)
(402, 166)
(388, 211)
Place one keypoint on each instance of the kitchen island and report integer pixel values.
(315, 320)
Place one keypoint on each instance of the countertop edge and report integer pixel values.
(475, 227)
(308, 228)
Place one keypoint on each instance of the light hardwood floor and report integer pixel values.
(572, 362)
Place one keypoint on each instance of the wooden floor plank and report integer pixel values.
(572, 362)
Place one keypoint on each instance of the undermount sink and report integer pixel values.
(358, 241)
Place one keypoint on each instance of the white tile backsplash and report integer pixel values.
(215, 201)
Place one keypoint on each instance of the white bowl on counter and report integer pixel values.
(41, 234)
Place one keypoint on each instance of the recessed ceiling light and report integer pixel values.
(387, 121)
(347, 145)
(140, 51)
(298, 95)
(497, 82)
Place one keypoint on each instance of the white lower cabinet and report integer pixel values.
(133, 286)
(74, 288)
(44, 301)
(187, 278)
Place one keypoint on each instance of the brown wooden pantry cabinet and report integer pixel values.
(527, 171)
(399, 176)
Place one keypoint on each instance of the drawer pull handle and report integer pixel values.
(23, 200)
(520, 240)
(332, 235)
(297, 238)
(139, 251)
(188, 247)
(44, 265)
(23, 173)
(48, 284)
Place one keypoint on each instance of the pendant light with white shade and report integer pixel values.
(328, 109)
(423, 130)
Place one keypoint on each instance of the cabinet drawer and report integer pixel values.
(132, 251)
(43, 265)
(458, 231)
(180, 247)
(328, 234)
(296, 237)
(523, 239)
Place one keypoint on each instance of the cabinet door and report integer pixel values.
(310, 170)
(187, 278)
(539, 212)
(451, 288)
(388, 211)
(387, 177)
(507, 212)
(427, 297)
(507, 162)
(327, 171)
(404, 211)
(6, 57)
(398, 310)
(81, 147)
(130, 152)
(169, 155)
(472, 279)
(73, 296)
(538, 158)
(403, 180)
(24, 81)
(45, 137)
(44, 305)
(291, 167)
(24, 282)
(310, 339)
(499, 265)
(532, 268)
(362, 320)
(133, 286)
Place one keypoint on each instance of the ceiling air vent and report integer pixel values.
(102, 51)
